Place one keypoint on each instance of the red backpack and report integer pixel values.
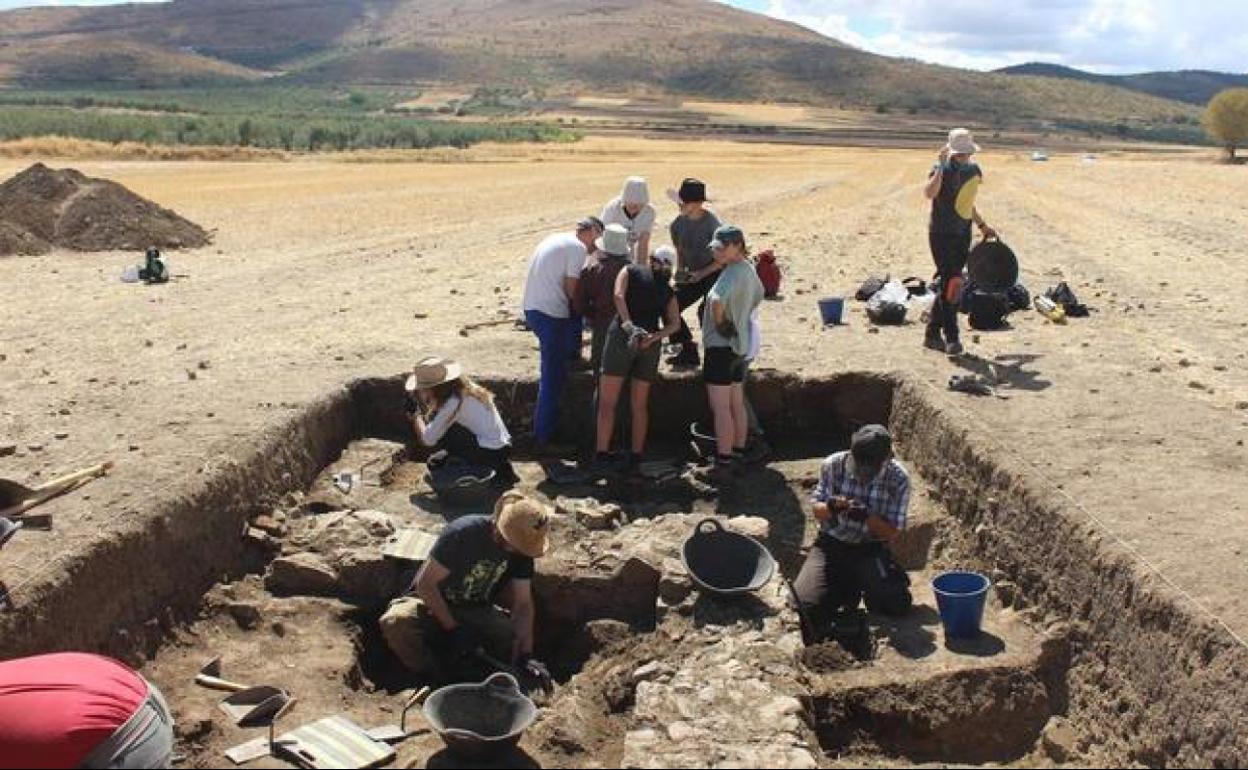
(768, 273)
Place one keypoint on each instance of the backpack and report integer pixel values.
(1063, 295)
(1019, 297)
(869, 287)
(768, 273)
(987, 309)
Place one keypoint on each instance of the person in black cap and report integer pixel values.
(697, 270)
(861, 504)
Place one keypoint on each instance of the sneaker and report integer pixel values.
(933, 341)
(687, 358)
(719, 473)
(551, 449)
(602, 467)
(954, 349)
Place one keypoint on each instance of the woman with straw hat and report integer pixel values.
(457, 416)
(952, 187)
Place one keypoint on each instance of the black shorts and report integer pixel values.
(723, 367)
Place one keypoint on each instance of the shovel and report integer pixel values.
(16, 499)
(7, 530)
(257, 706)
(210, 676)
(398, 733)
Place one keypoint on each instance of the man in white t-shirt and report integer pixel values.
(632, 211)
(554, 270)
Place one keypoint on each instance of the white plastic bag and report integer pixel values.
(893, 291)
(130, 274)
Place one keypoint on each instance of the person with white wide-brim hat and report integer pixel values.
(458, 417)
(632, 210)
(952, 187)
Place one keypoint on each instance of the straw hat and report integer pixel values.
(961, 142)
(432, 372)
(613, 241)
(524, 523)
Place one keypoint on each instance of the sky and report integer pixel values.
(1109, 36)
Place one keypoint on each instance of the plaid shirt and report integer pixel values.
(887, 496)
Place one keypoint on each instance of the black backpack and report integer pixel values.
(987, 309)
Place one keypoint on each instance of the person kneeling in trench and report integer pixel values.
(454, 619)
(861, 504)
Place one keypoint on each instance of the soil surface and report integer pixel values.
(42, 209)
(325, 271)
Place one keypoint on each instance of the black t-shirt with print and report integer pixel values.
(479, 566)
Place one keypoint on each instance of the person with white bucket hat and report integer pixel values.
(631, 210)
(595, 292)
(952, 187)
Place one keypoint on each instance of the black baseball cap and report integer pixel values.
(871, 446)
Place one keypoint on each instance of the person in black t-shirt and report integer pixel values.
(643, 300)
(452, 611)
(952, 186)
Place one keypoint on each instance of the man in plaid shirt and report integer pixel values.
(861, 504)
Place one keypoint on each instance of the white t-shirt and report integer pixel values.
(482, 419)
(614, 214)
(557, 257)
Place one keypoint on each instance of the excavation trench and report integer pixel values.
(271, 565)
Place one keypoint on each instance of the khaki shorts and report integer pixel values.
(414, 636)
(619, 360)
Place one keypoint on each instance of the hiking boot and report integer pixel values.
(602, 467)
(687, 358)
(954, 349)
(551, 449)
(934, 341)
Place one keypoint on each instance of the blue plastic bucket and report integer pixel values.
(833, 310)
(960, 596)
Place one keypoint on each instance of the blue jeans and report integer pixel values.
(554, 336)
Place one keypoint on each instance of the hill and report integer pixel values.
(1191, 86)
(630, 47)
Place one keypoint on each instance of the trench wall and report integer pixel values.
(1150, 679)
(127, 588)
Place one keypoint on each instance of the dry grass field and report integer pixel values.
(323, 271)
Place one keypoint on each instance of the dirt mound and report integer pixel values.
(43, 208)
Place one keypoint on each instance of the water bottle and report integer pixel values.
(1050, 310)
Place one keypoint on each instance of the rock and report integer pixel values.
(269, 525)
(34, 447)
(7, 450)
(377, 523)
(301, 574)
(60, 435)
(1059, 741)
(650, 672)
(245, 614)
(751, 526)
(203, 365)
(193, 723)
(364, 574)
(1241, 405)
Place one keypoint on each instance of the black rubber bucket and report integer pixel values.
(992, 266)
(726, 563)
(478, 721)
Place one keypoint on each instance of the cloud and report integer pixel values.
(1101, 35)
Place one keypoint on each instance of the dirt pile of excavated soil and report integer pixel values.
(42, 209)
